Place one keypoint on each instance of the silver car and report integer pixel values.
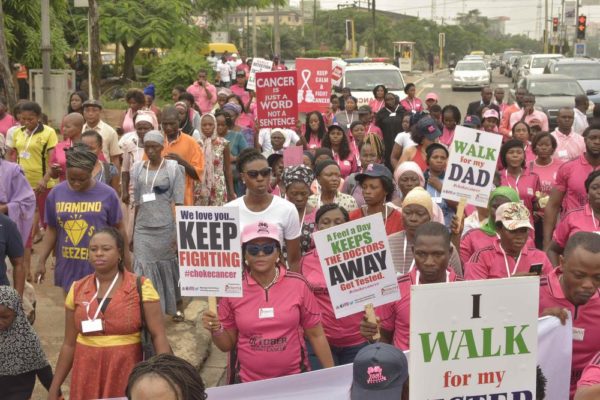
(470, 74)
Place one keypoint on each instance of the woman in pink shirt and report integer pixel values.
(6, 120)
(450, 118)
(315, 130)
(490, 121)
(339, 143)
(71, 131)
(411, 103)
(334, 107)
(268, 324)
(378, 102)
(342, 334)
(522, 132)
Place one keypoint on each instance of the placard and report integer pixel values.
(209, 251)
(258, 65)
(338, 66)
(357, 265)
(277, 100)
(474, 339)
(292, 156)
(314, 84)
(471, 166)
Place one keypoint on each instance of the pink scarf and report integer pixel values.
(207, 142)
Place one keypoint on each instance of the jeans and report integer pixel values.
(341, 355)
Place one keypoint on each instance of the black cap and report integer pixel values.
(92, 103)
(379, 373)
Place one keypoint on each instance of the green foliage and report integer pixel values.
(178, 67)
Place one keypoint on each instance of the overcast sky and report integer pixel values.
(522, 13)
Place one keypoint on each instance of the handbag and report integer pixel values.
(147, 346)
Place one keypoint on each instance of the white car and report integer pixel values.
(538, 63)
(363, 77)
(470, 74)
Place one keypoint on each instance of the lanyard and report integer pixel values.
(516, 188)
(393, 112)
(594, 220)
(370, 126)
(348, 118)
(380, 105)
(110, 288)
(101, 173)
(29, 139)
(412, 263)
(418, 282)
(412, 104)
(155, 175)
(506, 263)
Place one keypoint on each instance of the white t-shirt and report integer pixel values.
(224, 70)
(280, 212)
(264, 138)
(403, 139)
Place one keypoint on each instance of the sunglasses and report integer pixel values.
(265, 172)
(267, 249)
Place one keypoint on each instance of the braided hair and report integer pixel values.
(180, 375)
(376, 143)
(80, 156)
(247, 156)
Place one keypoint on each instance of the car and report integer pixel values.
(538, 63)
(505, 60)
(552, 92)
(363, 77)
(470, 74)
(585, 70)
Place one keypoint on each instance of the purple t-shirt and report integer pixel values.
(76, 216)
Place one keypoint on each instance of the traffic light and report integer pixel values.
(555, 24)
(581, 27)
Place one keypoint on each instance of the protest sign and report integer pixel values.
(554, 359)
(474, 339)
(209, 251)
(314, 84)
(337, 71)
(471, 166)
(258, 65)
(357, 265)
(276, 99)
(292, 156)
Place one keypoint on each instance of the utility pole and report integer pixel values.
(302, 17)
(5, 69)
(276, 37)
(546, 27)
(315, 23)
(46, 53)
(374, 27)
(95, 60)
(254, 51)
(575, 40)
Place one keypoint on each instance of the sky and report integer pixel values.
(522, 13)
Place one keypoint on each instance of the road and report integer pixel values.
(440, 83)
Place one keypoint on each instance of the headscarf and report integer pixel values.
(321, 165)
(490, 226)
(407, 166)
(20, 348)
(149, 90)
(154, 136)
(297, 173)
(233, 107)
(185, 125)
(80, 156)
(419, 196)
(147, 116)
(209, 155)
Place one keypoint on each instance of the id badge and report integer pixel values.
(148, 197)
(392, 114)
(438, 200)
(91, 326)
(266, 313)
(25, 155)
(578, 334)
(563, 154)
(348, 126)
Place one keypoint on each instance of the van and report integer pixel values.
(362, 78)
(219, 49)
(538, 63)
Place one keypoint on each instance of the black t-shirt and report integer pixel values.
(11, 245)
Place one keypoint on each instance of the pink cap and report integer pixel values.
(491, 113)
(260, 230)
(431, 96)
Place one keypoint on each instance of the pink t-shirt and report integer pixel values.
(314, 142)
(586, 319)
(591, 373)
(577, 220)
(240, 91)
(271, 346)
(539, 115)
(526, 185)
(376, 105)
(570, 179)
(447, 136)
(60, 157)
(546, 173)
(414, 105)
(372, 128)
(6, 123)
(490, 263)
(473, 240)
(343, 332)
(529, 155)
(395, 317)
(569, 146)
(348, 165)
(204, 104)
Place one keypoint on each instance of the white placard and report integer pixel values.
(338, 66)
(357, 265)
(474, 338)
(258, 65)
(209, 251)
(471, 166)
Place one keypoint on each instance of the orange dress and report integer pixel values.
(103, 360)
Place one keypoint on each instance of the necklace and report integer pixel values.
(274, 279)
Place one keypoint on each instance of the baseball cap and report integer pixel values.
(240, 72)
(429, 128)
(491, 113)
(431, 96)
(258, 230)
(472, 121)
(375, 171)
(364, 109)
(379, 373)
(92, 103)
(334, 126)
(513, 215)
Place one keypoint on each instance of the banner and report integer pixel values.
(337, 71)
(258, 65)
(209, 251)
(471, 166)
(276, 99)
(357, 265)
(554, 358)
(474, 338)
(314, 84)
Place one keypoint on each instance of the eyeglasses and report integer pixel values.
(267, 249)
(265, 172)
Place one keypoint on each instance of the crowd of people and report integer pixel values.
(99, 200)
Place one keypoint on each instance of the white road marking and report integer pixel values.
(428, 85)
(445, 86)
(503, 85)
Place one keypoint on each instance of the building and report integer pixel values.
(292, 14)
(497, 25)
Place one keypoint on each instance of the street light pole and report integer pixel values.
(46, 53)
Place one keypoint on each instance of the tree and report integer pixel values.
(5, 70)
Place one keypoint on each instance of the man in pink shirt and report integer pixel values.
(569, 191)
(588, 387)
(570, 144)
(432, 252)
(573, 288)
(204, 93)
(508, 256)
(529, 113)
(239, 87)
(505, 126)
